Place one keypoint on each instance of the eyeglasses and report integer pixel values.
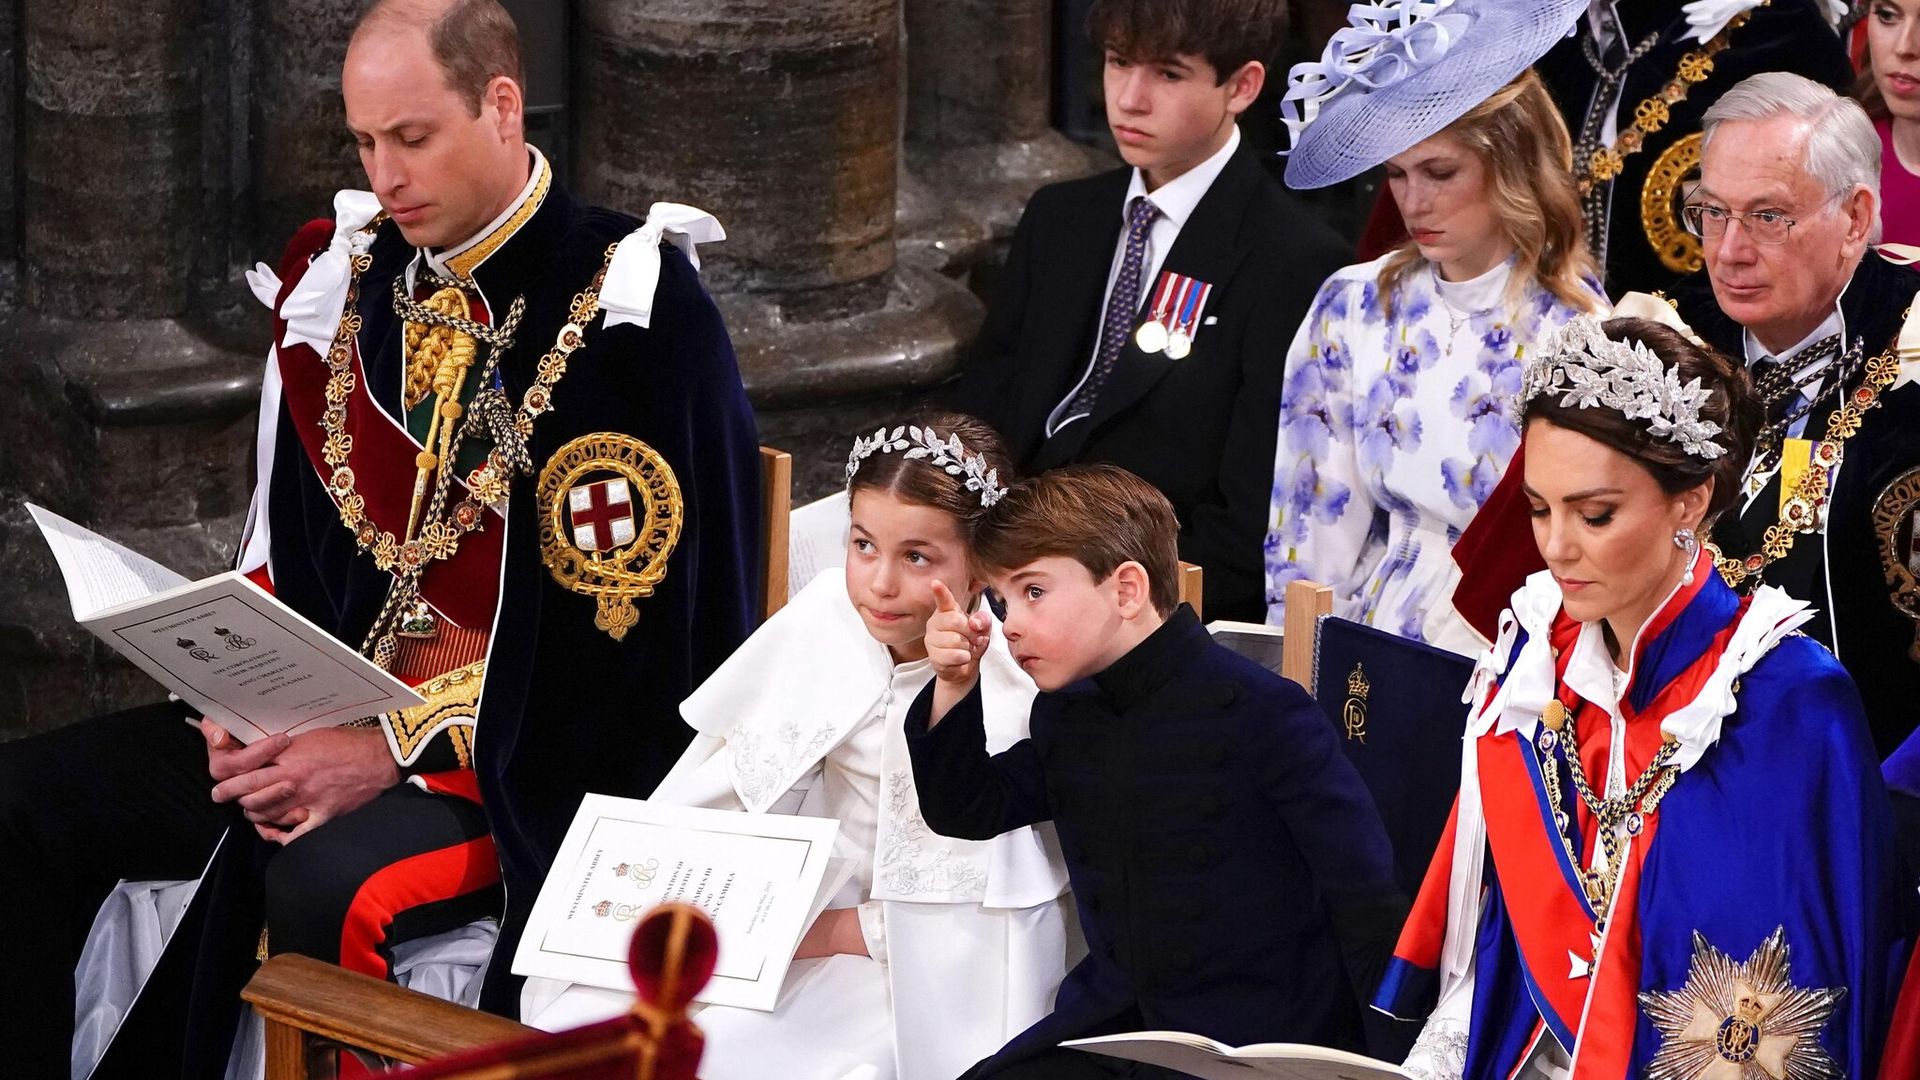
(1763, 226)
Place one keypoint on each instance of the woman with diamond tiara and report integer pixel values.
(1670, 853)
(937, 951)
(1393, 423)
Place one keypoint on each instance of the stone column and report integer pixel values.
(117, 407)
(111, 156)
(978, 134)
(10, 143)
(301, 151)
(781, 119)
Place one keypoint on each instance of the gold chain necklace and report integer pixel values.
(1599, 164)
(1807, 502)
(407, 559)
(1628, 810)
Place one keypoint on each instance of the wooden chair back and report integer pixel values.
(1306, 602)
(776, 508)
(1191, 587)
(313, 1009)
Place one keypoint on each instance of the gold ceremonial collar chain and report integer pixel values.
(1594, 164)
(431, 537)
(1805, 506)
(1628, 810)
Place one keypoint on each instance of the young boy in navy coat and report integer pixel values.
(1232, 875)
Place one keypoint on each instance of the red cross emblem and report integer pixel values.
(602, 515)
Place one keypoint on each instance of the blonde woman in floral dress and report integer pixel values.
(1395, 419)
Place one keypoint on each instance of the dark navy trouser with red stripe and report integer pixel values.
(128, 796)
(406, 865)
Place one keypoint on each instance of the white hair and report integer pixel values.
(1842, 150)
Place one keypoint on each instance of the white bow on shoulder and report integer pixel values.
(626, 296)
(1709, 17)
(312, 309)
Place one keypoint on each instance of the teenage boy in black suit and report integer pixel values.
(1230, 870)
(1144, 314)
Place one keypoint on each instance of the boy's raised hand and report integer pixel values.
(955, 643)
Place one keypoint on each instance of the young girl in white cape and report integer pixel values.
(937, 951)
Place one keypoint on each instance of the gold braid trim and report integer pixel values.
(433, 352)
(464, 264)
(452, 703)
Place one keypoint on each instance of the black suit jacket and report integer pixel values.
(1785, 35)
(1230, 871)
(1201, 429)
(1843, 577)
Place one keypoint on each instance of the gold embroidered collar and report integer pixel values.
(462, 261)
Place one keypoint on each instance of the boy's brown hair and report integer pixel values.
(1097, 515)
(1228, 33)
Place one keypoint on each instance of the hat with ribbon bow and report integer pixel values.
(1402, 70)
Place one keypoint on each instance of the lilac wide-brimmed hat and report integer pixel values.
(1402, 70)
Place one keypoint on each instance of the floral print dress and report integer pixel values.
(1393, 431)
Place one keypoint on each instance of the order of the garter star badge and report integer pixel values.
(610, 514)
(1741, 1021)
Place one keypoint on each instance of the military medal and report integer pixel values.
(1189, 300)
(1152, 335)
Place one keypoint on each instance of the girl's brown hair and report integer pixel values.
(918, 481)
(1518, 135)
(1730, 404)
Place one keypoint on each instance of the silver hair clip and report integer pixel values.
(925, 444)
(1588, 369)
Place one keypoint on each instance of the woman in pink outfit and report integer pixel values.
(1889, 87)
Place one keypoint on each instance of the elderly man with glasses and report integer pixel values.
(1787, 208)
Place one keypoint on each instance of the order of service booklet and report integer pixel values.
(1203, 1057)
(224, 645)
(761, 878)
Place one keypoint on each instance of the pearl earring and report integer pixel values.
(1687, 542)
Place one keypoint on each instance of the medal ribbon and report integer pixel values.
(1193, 298)
(1161, 311)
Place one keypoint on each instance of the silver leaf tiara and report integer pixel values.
(1588, 369)
(925, 444)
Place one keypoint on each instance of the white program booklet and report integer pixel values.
(816, 540)
(761, 878)
(1203, 1057)
(241, 658)
(1258, 642)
